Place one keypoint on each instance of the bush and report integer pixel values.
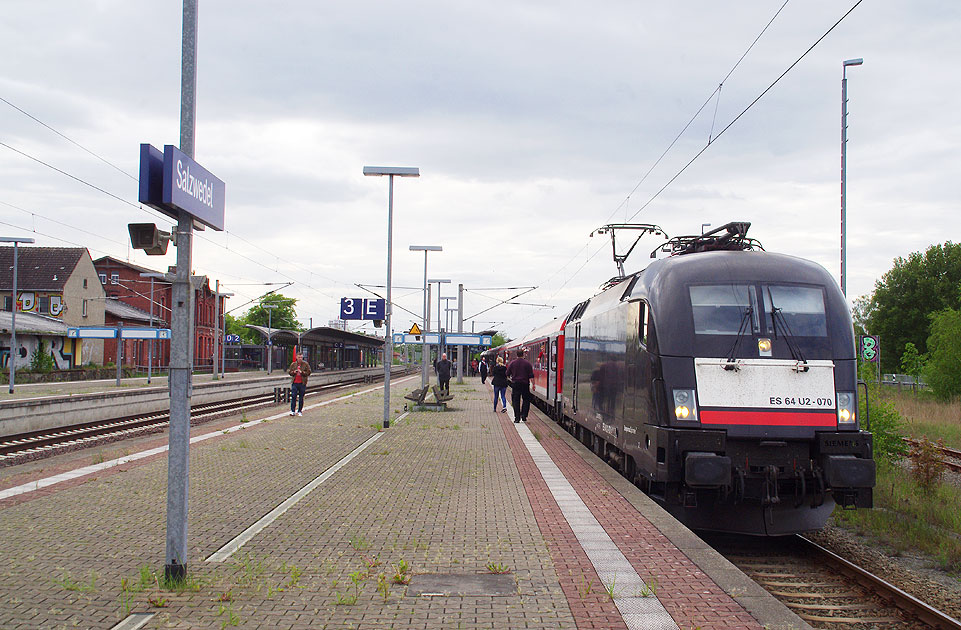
(887, 426)
(40, 360)
(929, 466)
(943, 370)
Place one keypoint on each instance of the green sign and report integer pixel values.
(870, 348)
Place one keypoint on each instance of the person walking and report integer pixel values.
(499, 382)
(299, 370)
(443, 373)
(520, 372)
(483, 370)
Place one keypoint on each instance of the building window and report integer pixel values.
(83, 309)
(103, 278)
(43, 303)
(6, 303)
(84, 283)
(115, 278)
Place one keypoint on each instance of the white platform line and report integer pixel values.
(636, 602)
(227, 550)
(134, 621)
(40, 484)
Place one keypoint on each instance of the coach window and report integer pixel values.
(801, 309)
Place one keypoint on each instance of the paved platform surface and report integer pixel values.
(496, 524)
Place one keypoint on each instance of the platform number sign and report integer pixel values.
(362, 308)
(870, 348)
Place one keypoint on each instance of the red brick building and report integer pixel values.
(129, 303)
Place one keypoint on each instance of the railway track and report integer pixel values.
(826, 590)
(37, 444)
(951, 456)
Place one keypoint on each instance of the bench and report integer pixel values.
(418, 395)
(441, 396)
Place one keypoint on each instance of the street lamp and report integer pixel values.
(217, 345)
(153, 275)
(423, 337)
(13, 306)
(270, 309)
(390, 172)
(439, 282)
(844, 170)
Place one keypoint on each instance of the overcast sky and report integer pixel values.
(532, 123)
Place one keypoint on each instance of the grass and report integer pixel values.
(71, 584)
(906, 517)
(924, 416)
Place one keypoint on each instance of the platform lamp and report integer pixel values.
(390, 172)
(423, 337)
(13, 305)
(844, 169)
(153, 275)
(439, 282)
(270, 309)
(218, 338)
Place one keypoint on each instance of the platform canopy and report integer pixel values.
(316, 335)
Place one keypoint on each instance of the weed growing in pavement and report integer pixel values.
(233, 619)
(125, 597)
(372, 562)
(588, 586)
(190, 583)
(537, 436)
(650, 588)
(383, 586)
(251, 569)
(610, 587)
(158, 602)
(71, 584)
(402, 575)
(358, 542)
(498, 568)
(98, 457)
(147, 577)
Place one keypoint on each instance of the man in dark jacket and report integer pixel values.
(483, 370)
(443, 373)
(521, 373)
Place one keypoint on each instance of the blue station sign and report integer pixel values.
(362, 308)
(173, 182)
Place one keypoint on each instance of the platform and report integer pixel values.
(502, 525)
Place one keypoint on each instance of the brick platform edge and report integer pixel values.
(684, 571)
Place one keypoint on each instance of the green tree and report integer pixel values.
(908, 294)
(943, 370)
(283, 316)
(912, 362)
(237, 326)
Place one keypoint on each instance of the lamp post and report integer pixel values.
(439, 282)
(270, 309)
(217, 344)
(13, 306)
(423, 337)
(153, 275)
(844, 170)
(443, 339)
(390, 172)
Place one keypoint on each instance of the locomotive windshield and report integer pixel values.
(801, 309)
(720, 309)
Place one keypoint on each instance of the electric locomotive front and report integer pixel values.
(753, 424)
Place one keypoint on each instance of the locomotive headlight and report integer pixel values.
(764, 347)
(685, 407)
(847, 413)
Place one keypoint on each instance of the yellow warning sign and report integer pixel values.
(414, 330)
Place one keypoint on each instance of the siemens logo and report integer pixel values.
(202, 191)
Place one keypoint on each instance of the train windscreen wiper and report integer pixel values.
(777, 315)
(741, 330)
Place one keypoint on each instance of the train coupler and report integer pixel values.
(770, 495)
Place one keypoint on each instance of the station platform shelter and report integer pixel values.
(324, 348)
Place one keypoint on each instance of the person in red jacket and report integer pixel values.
(299, 370)
(521, 373)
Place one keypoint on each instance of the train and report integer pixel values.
(721, 380)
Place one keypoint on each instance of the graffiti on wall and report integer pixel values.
(41, 304)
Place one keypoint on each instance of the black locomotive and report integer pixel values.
(722, 380)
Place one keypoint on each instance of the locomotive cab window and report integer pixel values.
(721, 309)
(801, 309)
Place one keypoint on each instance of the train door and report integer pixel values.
(552, 371)
(577, 346)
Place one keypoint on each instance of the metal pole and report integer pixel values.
(844, 169)
(461, 362)
(388, 355)
(423, 337)
(14, 351)
(119, 350)
(181, 320)
(216, 326)
(426, 330)
(844, 142)
(152, 341)
(269, 348)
